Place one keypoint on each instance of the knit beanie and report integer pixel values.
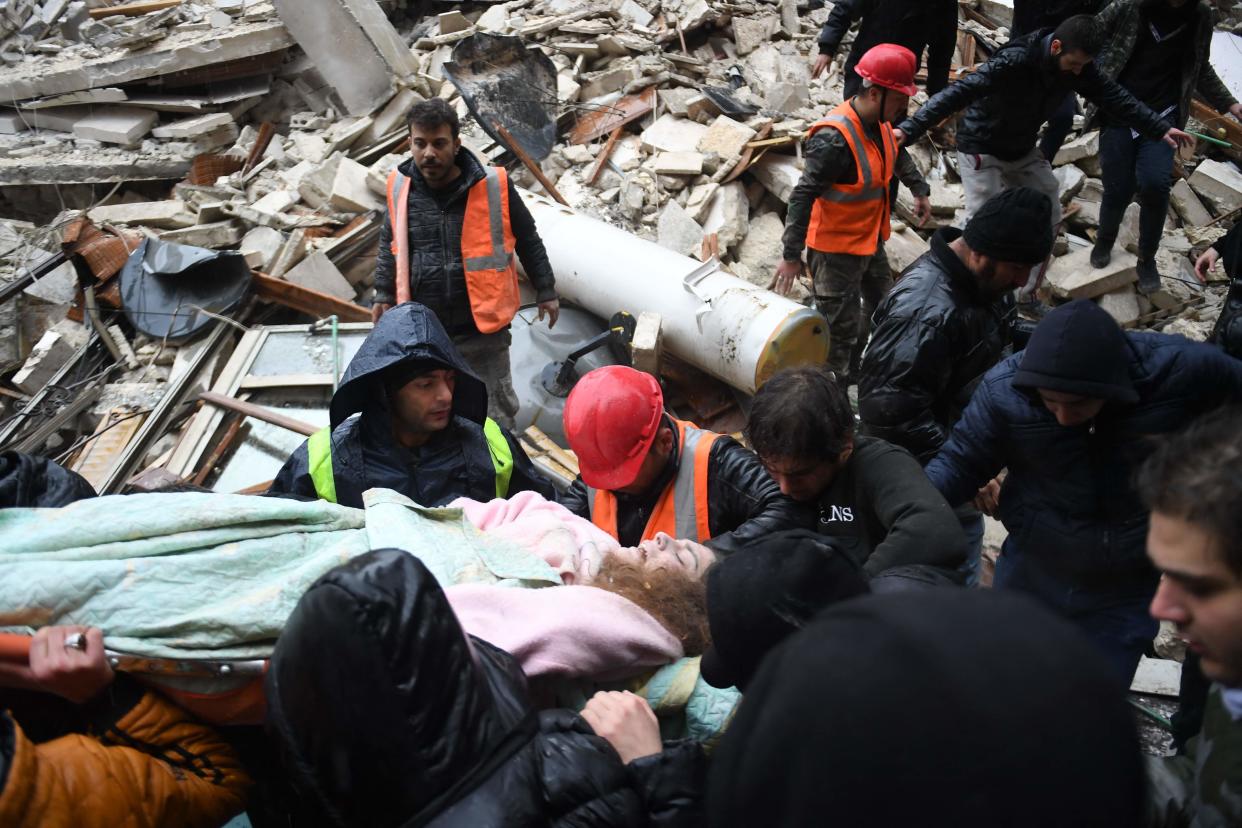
(1078, 349)
(1012, 226)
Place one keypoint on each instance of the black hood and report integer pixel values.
(381, 706)
(943, 707)
(30, 481)
(405, 333)
(1079, 349)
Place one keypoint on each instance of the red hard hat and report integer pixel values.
(611, 419)
(890, 66)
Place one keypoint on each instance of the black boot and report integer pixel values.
(1148, 276)
(1102, 253)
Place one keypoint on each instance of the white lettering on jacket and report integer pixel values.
(836, 514)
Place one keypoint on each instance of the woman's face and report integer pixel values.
(664, 552)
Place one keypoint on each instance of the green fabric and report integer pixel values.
(502, 455)
(1203, 787)
(319, 460)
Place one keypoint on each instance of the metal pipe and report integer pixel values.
(723, 325)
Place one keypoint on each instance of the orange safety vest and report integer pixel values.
(487, 244)
(682, 509)
(851, 218)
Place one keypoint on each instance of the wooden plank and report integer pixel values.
(548, 445)
(222, 448)
(255, 383)
(259, 412)
(607, 118)
(1216, 124)
(308, 301)
(107, 444)
(530, 163)
(133, 9)
(604, 155)
(257, 488)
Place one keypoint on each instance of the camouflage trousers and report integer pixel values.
(488, 356)
(847, 290)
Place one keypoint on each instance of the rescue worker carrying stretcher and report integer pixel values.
(410, 416)
(643, 471)
(452, 229)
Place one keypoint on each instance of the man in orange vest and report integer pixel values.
(841, 205)
(453, 227)
(644, 472)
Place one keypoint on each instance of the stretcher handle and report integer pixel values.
(15, 648)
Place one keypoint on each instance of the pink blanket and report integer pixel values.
(571, 545)
(568, 631)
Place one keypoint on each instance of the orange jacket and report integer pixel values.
(852, 218)
(156, 766)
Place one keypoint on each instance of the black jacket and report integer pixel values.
(743, 501)
(881, 511)
(437, 278)
(915, 24)
(1031, 15)
(387, 714)
(1068, 501)
(1227, 332)
(30, 481)
(454, 463)
(933, 336)
(1011, 96)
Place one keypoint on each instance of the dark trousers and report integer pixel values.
(1135, 165)
(1059, 126)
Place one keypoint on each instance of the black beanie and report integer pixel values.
(1078, 349)
(1012, 226)
(963, 708)
(764, 593)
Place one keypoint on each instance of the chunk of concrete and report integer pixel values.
(1121, 305)
(678, 163)
(672, 134)
(646, 345)
(728, 214)
(1219, 184)
(1069, 181)
(701, 109)
(193, 127)
(277, 201)
(677, 231)
(749, 33)
(725, 137)
(452, 22)
(166, 215)
(1073, 277)
(53, 350)
(787, 96)
(391, 117)
(902, 248)
(123, 125)
(260, 247)
(635, 13)
(317, 272)
(1082, 147)
(674, 100)
(213, 236)
(779, 174)
(1188, 206)
(761, 250)
(341, 183)
(341, 51)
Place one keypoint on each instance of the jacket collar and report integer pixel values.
(471, 173)
(959, 274)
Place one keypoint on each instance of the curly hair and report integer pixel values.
(801, 412)
(676, 599)
(431, 114)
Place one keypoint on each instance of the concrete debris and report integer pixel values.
(1073, 277)
(1219, 184)
(49, 355)
(1188, 206)
(677, 231)
(1122, 305)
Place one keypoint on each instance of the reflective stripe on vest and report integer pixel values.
(487, 245)
(319, 460)
(852, 218)
(681, 511)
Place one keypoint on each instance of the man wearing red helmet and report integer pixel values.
(644, 472)
(841, 205)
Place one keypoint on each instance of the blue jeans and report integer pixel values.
(1116, 617)
(1135, 164)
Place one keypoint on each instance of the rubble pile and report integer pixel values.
(266, 130)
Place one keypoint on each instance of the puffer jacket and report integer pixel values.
(30, 481)
(388, 714)
(1011, 96)
(743, 501)
(915, 24)
(1201, 788)
(454, 463)
(437, 277)
(1068, 501)
(1122, 18)
(147, 763)
(933, 337)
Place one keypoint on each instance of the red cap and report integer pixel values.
(889, 66)
(611, 419)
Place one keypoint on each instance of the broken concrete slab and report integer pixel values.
(646, 345)
(391, 117)
(674, 100)
(260, 246)
(213, 236)
(761, 250)
(1081, 148)
(193, 127)
(1121, 305)
(340, 183)
(672, 134)
(749, 33)
(170, 214)
(677, 231)
(677, 163)
(725, 137)
(1070, 180)
(122, 125)
(452, 21)
(1219, 184)
(53, 350)
(317, 272)
(1187, 205)
(728, 214)
(1073, 277)
(779, 174)
(903, 247)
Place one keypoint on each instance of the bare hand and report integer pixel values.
(899, 137)
(988, 498)
(69, 672)
(821, 64)
(1175, 138)
(552, 308)
(1236, 111)
(378, 309)
(1206, 262)
(786, 272)
(922, 209)
(626, 722)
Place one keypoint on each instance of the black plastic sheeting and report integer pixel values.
(165, 287)
(500, 79)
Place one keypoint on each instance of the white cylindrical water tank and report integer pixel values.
(723, 325)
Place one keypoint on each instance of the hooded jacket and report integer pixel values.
(743, 501)
(1200, 788)
(30, 481)
(1011, 96)
(455, 462)
(915, 24)
(1068, 500)
(437, 276)
(958, 708)
(933, 336)
(408, 721)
